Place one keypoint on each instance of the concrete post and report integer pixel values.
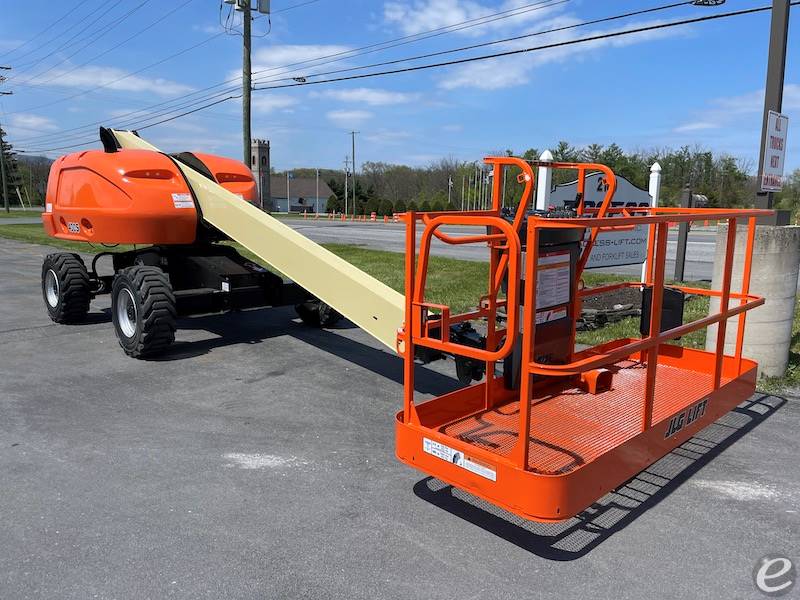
(544, 181)
(655, 192)
(768, 330)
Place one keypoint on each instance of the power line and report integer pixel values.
(67, 43)
(151, 65)
(45, 30)
(485, 57)
(352, 53)
(114, 47)
(97, 36)
(424, 35)
(84, 143)
(484, 44)
(525, 50)
(42, 45)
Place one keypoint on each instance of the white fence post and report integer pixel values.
(544, 181)
(655, 191)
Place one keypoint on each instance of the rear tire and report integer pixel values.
(143, 310)
(65, 287)
(316, 313)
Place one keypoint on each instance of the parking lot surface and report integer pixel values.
(256, 460)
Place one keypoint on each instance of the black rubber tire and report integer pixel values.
(149, 327)
(316, 313)
(72, 290)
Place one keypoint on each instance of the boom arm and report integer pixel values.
(373, 306)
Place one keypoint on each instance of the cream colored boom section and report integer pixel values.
(373, 306)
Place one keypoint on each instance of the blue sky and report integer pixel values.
(698, 84)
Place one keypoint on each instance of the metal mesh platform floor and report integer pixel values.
(572, 428)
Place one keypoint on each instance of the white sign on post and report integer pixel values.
(612, 248)
(774, 152)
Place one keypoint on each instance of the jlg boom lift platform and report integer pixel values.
(548, 430)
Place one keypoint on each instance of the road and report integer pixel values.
(391, 236)
(256, 460)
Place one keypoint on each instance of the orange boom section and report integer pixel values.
(123, 197)
(231, 174)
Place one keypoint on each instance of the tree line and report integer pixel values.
(449, 184)
(387, 188)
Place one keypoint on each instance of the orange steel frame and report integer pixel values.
(517, 486)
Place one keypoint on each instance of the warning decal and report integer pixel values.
(552, 279)
(182, 201)
(551, 314)
(457, 458)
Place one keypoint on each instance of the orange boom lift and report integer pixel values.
(562, 426)
(545, 436)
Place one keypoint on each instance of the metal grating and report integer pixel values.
(573, 428)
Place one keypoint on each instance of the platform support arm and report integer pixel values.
(528, 340)
(655, 324)
(730, 246)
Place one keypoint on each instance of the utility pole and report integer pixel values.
(3, 152)
(3, 171)
(346, 177)
(353, 136)
(773, 97)
(316, 204)
(246, 76)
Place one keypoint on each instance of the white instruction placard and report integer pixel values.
(552, 279)
(182, 201)
(457, 458)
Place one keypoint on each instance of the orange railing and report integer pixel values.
(424, 328)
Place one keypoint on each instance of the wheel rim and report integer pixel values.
(126, 313)
(51, 288)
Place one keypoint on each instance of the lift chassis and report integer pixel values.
(150, 287)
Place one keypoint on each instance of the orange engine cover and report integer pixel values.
(124, 197)
(231, 174)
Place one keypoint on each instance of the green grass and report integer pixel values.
(16, 213)
(459, 283)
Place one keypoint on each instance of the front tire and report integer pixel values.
(65, 287)
(143, 310)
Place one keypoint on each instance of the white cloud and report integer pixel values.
(209, 29)
(269, 58)
(726, 110)
(388, 136)
(113, 78)
(425, 15)
(369, 96)
(31, 123)
(265, 102)
(696, 126)
(516, 70)
(349, 118)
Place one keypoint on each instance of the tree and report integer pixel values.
(371, 206)
(425, 206)
(385, 208)
(413, 206)
(400, 206)
(334, 205)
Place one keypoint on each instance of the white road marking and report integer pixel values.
(258, 461)
(745, 491)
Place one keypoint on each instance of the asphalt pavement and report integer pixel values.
(256, 460)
